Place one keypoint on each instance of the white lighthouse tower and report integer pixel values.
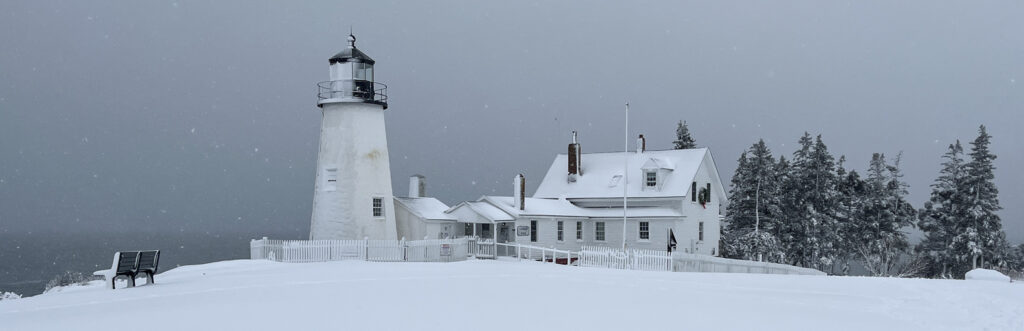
(352, 196)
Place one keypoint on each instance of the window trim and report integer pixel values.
(377, 207)
(561, 231)
(579, 230)
(643, 231)
(700, 231)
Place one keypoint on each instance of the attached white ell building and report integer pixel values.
(352, 197)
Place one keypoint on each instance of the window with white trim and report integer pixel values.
(700, 231)
(645, 231)
(579, 230)
(561, 231)
(693, 192)
(599, 231)
(378, 207)
(651, 179)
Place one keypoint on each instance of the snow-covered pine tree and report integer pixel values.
(940, 219)
(683, 138)
(984, 228)
(850, 190)
(793, 234)
(885, 212)
(810, 190)
(754, 204)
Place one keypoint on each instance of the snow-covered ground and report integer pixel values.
(509, 295)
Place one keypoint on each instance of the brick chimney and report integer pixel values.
(519, 196)
(574, 159)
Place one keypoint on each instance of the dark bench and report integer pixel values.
(132, 264)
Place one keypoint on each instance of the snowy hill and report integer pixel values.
(509, 295)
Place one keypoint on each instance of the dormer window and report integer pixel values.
(653, 173)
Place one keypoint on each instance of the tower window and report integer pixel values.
(651, 179)
(331, 176)
(378, 207)
(599, 231)
(645, 230)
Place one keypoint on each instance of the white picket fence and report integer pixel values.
(482, 248)
(438, 250)
(450, 250)
(703, 263)
(630, 259)
(536, 253)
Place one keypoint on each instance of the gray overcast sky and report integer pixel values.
(200, 117)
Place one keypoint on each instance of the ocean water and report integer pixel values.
(29, 261)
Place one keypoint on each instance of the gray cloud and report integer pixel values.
(200, 117)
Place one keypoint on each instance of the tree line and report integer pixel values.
(810, 210)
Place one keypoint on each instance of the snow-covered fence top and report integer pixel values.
(703, 263)
(631, 259)
(439, 250)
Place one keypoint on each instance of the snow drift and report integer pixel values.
(509, 295)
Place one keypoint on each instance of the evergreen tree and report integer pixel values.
(683, 138)
(983, 232)
(884, 214)
(850, 192)
(942, 216)
(753, 206)
(810, 191)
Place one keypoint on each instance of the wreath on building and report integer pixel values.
(704, 197)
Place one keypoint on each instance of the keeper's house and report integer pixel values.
(675, 198)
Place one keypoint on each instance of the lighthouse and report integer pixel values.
(352, 196)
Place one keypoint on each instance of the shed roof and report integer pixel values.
(426, 208)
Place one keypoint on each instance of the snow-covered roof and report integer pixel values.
(601, 174)
(426, 208)
(482, 209)
(496, 208)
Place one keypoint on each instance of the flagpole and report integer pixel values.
(625, 178)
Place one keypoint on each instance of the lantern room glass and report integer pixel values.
(362, 71)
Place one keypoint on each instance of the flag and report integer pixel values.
(671, 241)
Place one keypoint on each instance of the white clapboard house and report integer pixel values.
(674, 198)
